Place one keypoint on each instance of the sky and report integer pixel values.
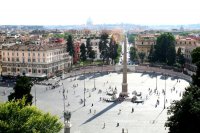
(73, 12)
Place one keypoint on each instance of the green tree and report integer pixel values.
(165, 43)
(113, 49)
(58, 35)
(141, 55)
(92, 55)
(131, 38)
(22, 89)
(180, 57)
(196, 59)
(133, 54)
(89, 47)
(171, 55)
(70, 46)
(16, 117)
(83, 56)
(119, 50)
(185, 114)
(103, 46)
(151, 54)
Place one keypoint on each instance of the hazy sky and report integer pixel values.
(64, 12)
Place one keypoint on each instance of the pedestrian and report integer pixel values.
(119, 112)
(94, 111)
(117, 124)
(92, 105)
(104, 125)
(90, 110)
(132, 110)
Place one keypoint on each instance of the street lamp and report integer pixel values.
(84, 88)
(156, 82)
(165, 92)
(35, 92)
(63, 96)
(94, 77)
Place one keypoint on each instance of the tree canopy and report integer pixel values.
(83, 56)
(22, 89)
(165, 49)
(70, 45)
(103, 46)
(196, 59)
(185, 114)
(133, 54)
(16, 117)
(141, 55)
(180, 57)
(131, 38)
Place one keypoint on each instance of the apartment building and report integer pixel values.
(143, 43)
(34, 60)
(185, 42)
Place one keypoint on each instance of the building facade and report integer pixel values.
(185, 42)
(143, 43)
(34, 60)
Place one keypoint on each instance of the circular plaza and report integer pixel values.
(100, 114)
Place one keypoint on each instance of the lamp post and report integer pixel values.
(63, 97)
(156, 82)
(35, 93)
(165, 92)
(94, 77)
(84, 88)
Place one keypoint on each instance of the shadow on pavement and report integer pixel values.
(157, 116)
(101, 112)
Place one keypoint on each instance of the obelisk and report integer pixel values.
(124, 92)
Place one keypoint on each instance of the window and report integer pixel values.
(8, 53)
(22, 54)
(17, 54)
(43, 54)
(33, 54)
(17, 59)
(13, 53)
(3, 53)
(33, 60)
(38, 71)
(38, 60)
(38, 54)
(43, 59)
(29, 54)
(29, 70)
(8, 59)
(13, 59)
(29, 60)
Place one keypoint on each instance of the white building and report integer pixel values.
(34, 60)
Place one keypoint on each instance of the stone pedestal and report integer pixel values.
(67, 127)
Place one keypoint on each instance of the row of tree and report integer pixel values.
(87, 51)
(163, 52)
(108, 48)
